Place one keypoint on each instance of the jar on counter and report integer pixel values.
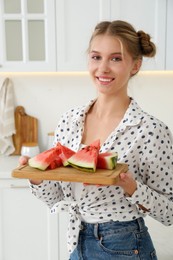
(30, 149)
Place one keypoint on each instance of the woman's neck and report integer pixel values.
(110, 106)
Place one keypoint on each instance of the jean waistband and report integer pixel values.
(137, 224)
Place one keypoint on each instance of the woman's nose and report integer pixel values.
(104, 66)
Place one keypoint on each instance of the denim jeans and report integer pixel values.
(114, 240)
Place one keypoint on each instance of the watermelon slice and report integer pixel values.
(56, 163)
(65, 154)
(86, 158)
(44, 159)
(107, 160)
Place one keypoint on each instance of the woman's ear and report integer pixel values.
(136, 67)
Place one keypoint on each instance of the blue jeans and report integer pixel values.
(114, 240)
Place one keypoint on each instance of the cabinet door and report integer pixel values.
(28, 230)
(169, 41)
(149, 16)
(27, 32)
(75, 23)
(77, 19)
(63, 225)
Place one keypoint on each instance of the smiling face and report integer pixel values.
(110, 65)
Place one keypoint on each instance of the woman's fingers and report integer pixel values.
(23, 160)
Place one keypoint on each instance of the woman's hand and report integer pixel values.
(24, 160)
(125, 181)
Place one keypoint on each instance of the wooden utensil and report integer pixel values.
(101, 176)
(26, 129)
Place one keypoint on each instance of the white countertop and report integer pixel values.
(7, 164)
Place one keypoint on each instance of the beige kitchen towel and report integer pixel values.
(7, 120)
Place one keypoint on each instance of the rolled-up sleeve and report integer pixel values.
(155, 194)
(49, 192)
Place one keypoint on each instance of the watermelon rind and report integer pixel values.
(86, 158)
(33, 162)
(44, 159)
(85, 169)
(107, 160)
(79, 161)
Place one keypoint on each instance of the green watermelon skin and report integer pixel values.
(86, 158)
(107, 160)
(44, 159)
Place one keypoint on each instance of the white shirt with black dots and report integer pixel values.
(145, 144)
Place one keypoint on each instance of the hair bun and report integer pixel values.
(148, 48)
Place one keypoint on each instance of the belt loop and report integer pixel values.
(96, 230)
(141, 224)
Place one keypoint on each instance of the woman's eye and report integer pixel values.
(96, 57)
(116, 59)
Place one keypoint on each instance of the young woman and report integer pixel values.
(107, 222)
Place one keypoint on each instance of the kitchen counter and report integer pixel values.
(7, 164)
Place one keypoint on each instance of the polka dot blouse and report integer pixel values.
(145, 144)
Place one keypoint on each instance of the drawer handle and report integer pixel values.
(18, 187)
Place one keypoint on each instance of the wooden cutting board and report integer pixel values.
(26, 129)
(106, 177)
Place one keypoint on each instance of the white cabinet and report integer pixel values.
(149, 16)
(27, 33)
(24, 223)
(27, 229)
(169, 36)
(53, 35)
(75, 21)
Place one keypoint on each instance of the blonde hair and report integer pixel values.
(138, 44)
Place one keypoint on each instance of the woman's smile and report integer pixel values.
(105, 80)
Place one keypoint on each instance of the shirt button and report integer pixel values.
(81, 227)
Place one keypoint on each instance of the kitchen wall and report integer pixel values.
(47, 95)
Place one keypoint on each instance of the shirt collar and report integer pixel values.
(132, 116)
(80, 116)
